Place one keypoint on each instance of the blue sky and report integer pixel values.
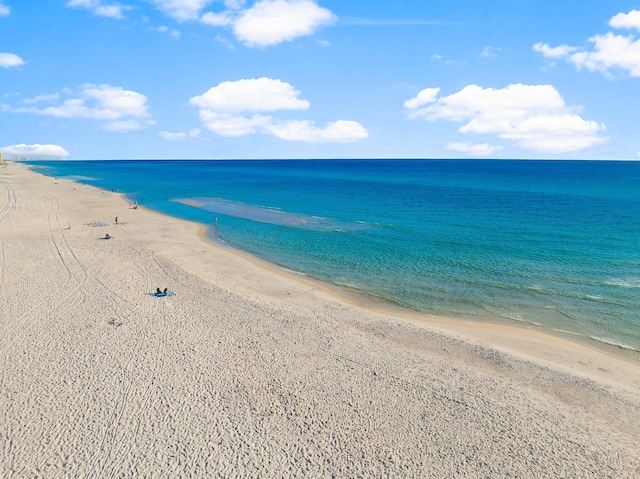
(104, 79)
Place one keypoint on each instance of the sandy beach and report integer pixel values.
(249, 371)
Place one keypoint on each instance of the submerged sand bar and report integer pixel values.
(250, 372)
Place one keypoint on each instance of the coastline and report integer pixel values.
(360, 342)
(604, 362)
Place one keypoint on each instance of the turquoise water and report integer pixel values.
(552, 243)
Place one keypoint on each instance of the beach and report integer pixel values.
(251, 371)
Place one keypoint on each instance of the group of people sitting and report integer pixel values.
(161, 293)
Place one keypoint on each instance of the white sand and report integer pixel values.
(249, 372)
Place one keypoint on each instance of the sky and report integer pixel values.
(282, 79)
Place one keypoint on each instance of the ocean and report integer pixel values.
(555, 244)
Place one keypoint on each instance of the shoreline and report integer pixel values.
(374, 304)
(527, 341)
(250, 369)
(500, 333)
(623, 350)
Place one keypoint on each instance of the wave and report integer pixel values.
(624, 282)
(613, 342)
(270, 215)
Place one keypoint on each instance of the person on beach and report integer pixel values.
(116, 220)
(107, 236)
(166, 290)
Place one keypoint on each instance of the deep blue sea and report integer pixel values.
(550, 243)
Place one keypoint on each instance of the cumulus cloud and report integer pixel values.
(180, 135)
(610, 52)
(235, 108)
(119, 109)
(8, 60)
(426, 96)
(98, 7)
(534, 117)
(256, 94)
(626, 20)
(270, 22)
(478, 149)
(4, 10)
(35, 151)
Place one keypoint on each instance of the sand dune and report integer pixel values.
(251, 372)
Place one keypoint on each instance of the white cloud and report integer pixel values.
(35, 151)
(255, 94)
(52, 98)
(170, 31)
(217, 19)
(270, 22)
(4, 10)
(479, 149)
(428, 95)
(626, 20)
(225, 124)
(111, 11)
(181, 10)
(553, 52)
(306, 131)
(610, 53)
(535, 117)
(8, 60)
(233, 109)
(180, 135)
(117, 107)
(114, 10)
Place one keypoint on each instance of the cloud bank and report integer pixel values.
(236, 108)
(611, 52)
(534, 117)
(270, 22)
(35, 151)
